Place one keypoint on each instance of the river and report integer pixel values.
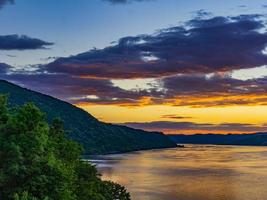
(196, 172)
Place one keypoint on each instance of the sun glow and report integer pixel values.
(215, 115)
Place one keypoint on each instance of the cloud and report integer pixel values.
(191, 65)
(4, 68)
(214, 90)
(200, 45)
(79, 90)
(202, 14)
(181, 127)
(75, 89)
(124, 1)
(199, 90)
(185, 90)
(173, 116)
(4, 2)
(21, 42)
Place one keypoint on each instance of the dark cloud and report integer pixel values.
(201, 45)
(79, 90)
(4, 68)
(202, 13)
(172, 116)
(50, 58)
(208, 84)
(23, 42)
(62, 86)
(215, 90)
(178, 127)
(191, 63)
(4, 2)
(195, 91)
(11, 56)
(124, 1)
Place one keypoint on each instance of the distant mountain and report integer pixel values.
(255, 139)
(96, 137)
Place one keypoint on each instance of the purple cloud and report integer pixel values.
(216, 44)
(179, 127)
(21, 42)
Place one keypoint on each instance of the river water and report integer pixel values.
(196, 172)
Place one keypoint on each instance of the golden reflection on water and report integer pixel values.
(197, 172)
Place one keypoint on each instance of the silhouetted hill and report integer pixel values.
(256, 139)
(96, 137)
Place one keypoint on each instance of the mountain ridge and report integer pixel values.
(97, 137)
(252, 139)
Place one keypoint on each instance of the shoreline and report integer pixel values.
(127, 152)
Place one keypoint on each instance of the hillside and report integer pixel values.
(96, 137)
(255, 139)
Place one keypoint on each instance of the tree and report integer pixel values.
(38, 162)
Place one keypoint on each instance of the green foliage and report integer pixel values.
(95, 136)
(26, 196)
(115, 191)
(38, 162)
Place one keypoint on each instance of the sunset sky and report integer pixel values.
(195, 66)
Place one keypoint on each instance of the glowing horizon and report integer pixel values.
(253, 115)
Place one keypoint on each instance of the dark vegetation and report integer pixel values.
(95, 136)
(256, 139)
(38, 162)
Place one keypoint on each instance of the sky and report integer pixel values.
(195, 66)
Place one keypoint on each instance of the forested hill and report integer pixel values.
(96, 137)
